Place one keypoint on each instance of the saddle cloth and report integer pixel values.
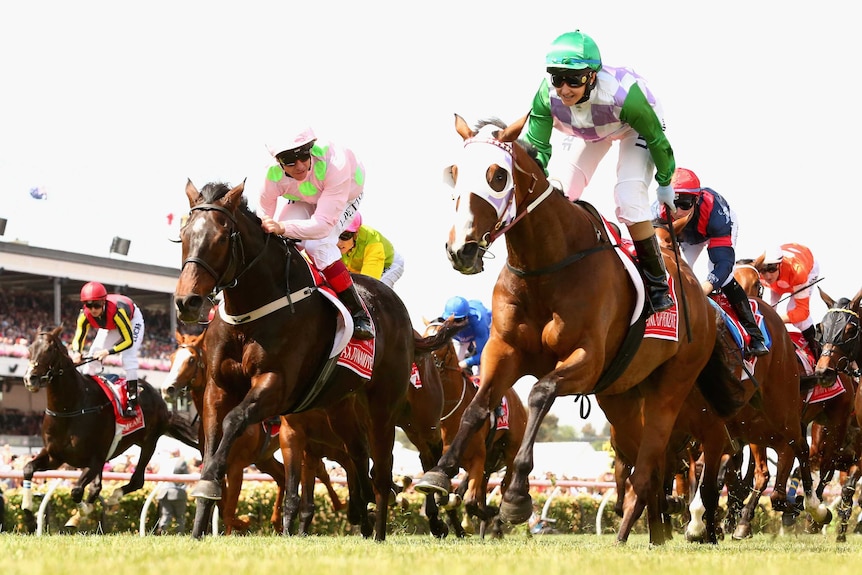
(118, 396)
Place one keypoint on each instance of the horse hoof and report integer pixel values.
(741, 532)
(115, 497)
(516, 512)
(434, 482)
(206, 489)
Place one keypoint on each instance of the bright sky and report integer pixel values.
(110, 107)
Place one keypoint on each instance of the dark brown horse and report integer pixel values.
(839, 334)
(563, 307)
(270, 348)
(485, 452)
(80, 428)
(255, 446)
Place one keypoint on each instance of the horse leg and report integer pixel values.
(275, 468)
(622, 471)
(737, 489)
(710, 488)
(845, 506)
(760, 473)
(292, 439)
(382, 442)
(517, 504)
(306, 499)
(323, 476)
(813, 506)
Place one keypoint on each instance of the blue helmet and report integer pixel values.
(457, 306)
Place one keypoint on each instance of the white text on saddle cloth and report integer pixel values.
(665, 324)
(358, 357)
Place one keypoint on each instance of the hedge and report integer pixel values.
(573, 513)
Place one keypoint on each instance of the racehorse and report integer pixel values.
(80, 427)
(272, 347)
(255, 446)
(491, 449)
(562, 308)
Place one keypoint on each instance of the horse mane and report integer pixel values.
(213, 191)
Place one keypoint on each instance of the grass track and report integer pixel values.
(414, 555)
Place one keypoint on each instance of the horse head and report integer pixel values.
(747, 276)
(485, 178)
(839, 335)
(188, 365)
(48, 360)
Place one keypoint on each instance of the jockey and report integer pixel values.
(472, 339)
(599, 105)
(364, 250)
(791, 269)
(120, 326)
(323, 184)
(712, 225)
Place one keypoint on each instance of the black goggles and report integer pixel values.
(572, 80)
(770, 268)
(289, 158)
(684, 202)
(346, 236)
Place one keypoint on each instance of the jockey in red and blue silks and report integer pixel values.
(712, 225)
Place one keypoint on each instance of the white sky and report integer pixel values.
(111, 106)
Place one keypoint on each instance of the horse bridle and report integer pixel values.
(237, 252)
(848, 347)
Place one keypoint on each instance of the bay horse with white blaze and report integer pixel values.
(80, 427)
(272, 347)
(562, 308)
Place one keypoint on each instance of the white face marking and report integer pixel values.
(181, 359)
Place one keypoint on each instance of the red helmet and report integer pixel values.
(684, 181)
(93, 291)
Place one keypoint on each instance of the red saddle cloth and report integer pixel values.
(118, 395)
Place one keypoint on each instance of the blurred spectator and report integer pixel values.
(172, 496)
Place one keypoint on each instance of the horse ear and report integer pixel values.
(511, 133)
(57, 331)
(462, 128)
(233, 197)
(825, 297)
(758, 261)
(192, 194)
(854, 303)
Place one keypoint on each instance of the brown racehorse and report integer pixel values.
(270, 348)
(562, 308)
(482, 455)
(255, 446)
(79, 427)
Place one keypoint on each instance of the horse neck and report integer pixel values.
(262, 280)
(68, 389)
(550, 233)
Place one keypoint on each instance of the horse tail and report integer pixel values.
(440, 338)
(724, 392)
(182, 429)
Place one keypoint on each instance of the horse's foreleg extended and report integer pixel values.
(517, 505)
(215, 467)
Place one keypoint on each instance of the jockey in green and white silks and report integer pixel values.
(599, 105)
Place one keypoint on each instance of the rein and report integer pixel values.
(237, 251)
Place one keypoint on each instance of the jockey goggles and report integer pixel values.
(289, 158)
(573, 81)
(684, 202)
(770, 268)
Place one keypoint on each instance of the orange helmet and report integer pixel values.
(93, 291)
(684, 181)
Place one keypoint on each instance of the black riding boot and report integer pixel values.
(810, 334)
(739, 301)
(132, 395)
(654, 273)
(361, 321)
